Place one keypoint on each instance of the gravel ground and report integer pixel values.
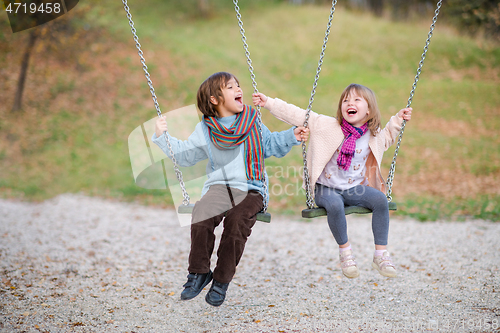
(80, 264)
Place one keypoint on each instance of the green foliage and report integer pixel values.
(435, 208)
(474, 16)
(32, 190)
(4, 30)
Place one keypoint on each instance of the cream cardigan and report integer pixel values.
(326, 136)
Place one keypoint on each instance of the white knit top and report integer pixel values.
(335, 177)
(326, 137)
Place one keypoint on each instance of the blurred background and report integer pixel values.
(73, 89)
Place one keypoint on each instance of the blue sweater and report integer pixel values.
(225, 166)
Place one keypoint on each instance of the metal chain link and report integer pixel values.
(309, 199)
(178, 173)
(390, 177)
(254, 84)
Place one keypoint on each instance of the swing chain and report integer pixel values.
(309, 199)
(254, 85)
(390, 178)
(178, 173)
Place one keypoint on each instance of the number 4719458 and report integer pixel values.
(33, 8)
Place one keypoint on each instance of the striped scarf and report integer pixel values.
(349, 146)
(243, 130)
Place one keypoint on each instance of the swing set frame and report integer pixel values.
(312, 210)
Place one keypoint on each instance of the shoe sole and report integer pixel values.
(209, 301)
(207, 281)
(212, 303)
(390, 275)
(352, 276)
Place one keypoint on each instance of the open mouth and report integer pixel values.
(239, 100)
(352, 111)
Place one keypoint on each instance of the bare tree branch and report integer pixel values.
(24, 70)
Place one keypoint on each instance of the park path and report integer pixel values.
(82, 264)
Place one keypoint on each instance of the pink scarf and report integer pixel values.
(351, 134)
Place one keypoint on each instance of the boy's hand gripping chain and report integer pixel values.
(178, 173)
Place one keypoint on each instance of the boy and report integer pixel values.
(229, 137)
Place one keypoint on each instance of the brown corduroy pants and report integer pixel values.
(242, 208)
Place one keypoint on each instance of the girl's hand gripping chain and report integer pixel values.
(405, 113)
(259, 99)
(301, 133)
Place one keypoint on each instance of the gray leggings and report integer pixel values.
(333, 201)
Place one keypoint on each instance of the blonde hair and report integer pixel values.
(374, 117)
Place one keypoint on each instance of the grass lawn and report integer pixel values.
(72, 135)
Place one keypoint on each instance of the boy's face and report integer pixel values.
(233, 99)
(355, 109)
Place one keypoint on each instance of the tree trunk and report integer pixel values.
(24, 70)
(203, 8)
(400, 9)
(376, 6)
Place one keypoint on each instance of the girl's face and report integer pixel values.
(355, 109)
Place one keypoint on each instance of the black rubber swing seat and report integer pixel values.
(188, 209)
(320, 211)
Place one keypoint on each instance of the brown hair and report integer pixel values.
(374, 118)
(212, 86)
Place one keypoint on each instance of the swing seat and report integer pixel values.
(320, 211)
(188, 209)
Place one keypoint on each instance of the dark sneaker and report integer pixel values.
(195, 284)
(217, 293)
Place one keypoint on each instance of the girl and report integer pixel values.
(344, 162)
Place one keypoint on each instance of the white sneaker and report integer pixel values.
(348, 264)
(384, 265)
